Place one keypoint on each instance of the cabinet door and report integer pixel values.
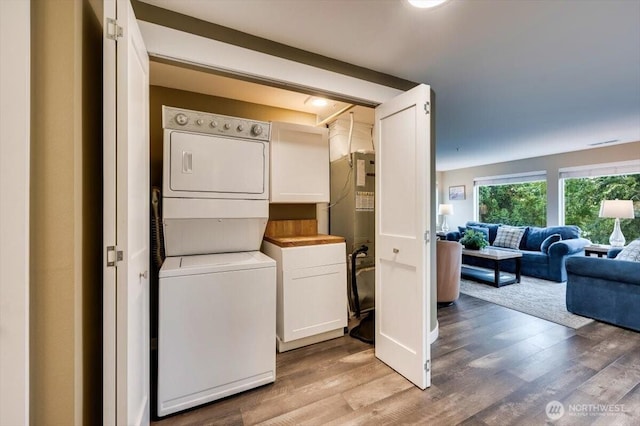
(299, 164)
(315, 300)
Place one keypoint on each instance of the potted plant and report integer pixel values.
(473, 240)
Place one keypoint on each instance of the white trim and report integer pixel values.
(15, 104)
(534, 176)
(604, 169)
(433, 334)
(163, 42)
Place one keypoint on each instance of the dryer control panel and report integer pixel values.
(215, 124)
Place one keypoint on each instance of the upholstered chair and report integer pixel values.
(449, 262)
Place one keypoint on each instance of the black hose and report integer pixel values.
(354, 285)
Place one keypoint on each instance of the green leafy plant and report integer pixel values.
(473, 240)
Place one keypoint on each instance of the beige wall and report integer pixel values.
(463, 210)
(66, 197)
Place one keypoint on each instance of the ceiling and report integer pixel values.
(174, 76)
(513, 79)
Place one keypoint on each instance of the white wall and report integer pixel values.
(14, 211)
(464, 210)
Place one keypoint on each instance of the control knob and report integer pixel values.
(182, 119)
(256, 130)
(227, 126)
(214, 124)
(199, 121)
(240, 127)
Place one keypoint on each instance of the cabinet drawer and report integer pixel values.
(315, 301)
(310, 256)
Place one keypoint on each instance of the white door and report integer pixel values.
(126, 219)
(404, 164)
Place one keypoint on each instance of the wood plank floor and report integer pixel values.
(491, 366)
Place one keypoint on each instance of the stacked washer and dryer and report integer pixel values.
(217, 291)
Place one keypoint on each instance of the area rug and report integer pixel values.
(540, 298)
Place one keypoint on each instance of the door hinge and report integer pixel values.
(114, 256)
(427, 365)
(426, 236)
(113, 29)
(426, 108)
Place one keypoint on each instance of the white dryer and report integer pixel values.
(215, 182)
(217, 292)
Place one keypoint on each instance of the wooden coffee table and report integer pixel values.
(495, 277)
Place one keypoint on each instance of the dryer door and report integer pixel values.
(210, 166)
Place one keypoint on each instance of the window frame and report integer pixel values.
(507, 179)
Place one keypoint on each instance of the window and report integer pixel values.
(584, 189)
(513, 200)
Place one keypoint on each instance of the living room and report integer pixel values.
(542, 291)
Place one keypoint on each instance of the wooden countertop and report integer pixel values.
(304, 240)
(297, 233)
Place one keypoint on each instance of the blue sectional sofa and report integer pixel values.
(541, 256)
(606, 289)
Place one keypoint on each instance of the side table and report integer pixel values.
(599, 250)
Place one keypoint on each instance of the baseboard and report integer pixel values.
(305, 341)
(433, 335)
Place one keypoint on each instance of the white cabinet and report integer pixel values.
(299, 158)
(311, 293)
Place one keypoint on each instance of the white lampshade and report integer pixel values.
(620, 209)
(445, 209)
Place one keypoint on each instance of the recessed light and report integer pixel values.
(423, 4)
(319, 102)
(316, 101)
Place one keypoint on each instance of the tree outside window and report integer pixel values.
(516, 204)
(582, 198)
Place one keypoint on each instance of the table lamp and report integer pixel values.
(618, 209)
(445, 210)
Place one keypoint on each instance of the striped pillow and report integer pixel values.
(509, 237)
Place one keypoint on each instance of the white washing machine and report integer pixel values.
(216, 333)
(217, 291)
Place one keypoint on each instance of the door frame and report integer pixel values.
(184, 48)
(15, 124)
(178, 47)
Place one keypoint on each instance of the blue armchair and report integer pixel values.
(605, 289)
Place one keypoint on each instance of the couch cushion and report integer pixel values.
(509, 236)
(535, 236)
(492, 227)
(631, 252)
(553, 238)
(534, 257)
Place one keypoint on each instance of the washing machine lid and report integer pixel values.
(212, 263)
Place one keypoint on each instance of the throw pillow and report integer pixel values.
(509, 237)
(630, 252)
(481, 230)
(553, 238)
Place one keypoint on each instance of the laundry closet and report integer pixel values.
(205, 229)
